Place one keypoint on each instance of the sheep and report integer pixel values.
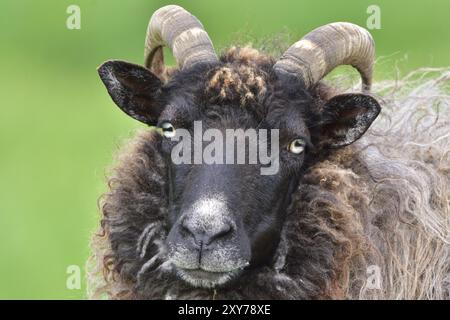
(349, 202)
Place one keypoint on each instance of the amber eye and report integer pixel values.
(297, 146)
(168, 130)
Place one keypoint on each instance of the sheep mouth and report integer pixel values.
(206, 279)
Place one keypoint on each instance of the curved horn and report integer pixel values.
(183, 33)
(327, 47)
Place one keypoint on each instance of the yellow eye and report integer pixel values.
(297, 146)
(168, 130)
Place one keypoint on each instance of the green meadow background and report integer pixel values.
(59, 129)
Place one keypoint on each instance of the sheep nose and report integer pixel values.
(204, 237)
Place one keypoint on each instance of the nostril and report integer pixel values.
(223, 231)
(187, 228)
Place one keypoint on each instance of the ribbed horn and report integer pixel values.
(327, 47)
(183, 33)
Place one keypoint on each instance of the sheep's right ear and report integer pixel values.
(134, 89)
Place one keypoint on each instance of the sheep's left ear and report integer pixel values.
(346, 117)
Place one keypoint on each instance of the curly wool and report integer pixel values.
(384, 201)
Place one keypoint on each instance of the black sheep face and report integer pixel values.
(224, 216)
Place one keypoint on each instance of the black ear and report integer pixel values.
(346, 117)
(134, 89)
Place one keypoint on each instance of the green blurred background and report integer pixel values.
(59, 129)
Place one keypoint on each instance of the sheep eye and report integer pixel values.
(168, 130)
(297, 146)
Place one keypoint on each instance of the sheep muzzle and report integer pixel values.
(206, 245)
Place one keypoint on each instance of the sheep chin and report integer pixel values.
(206, 279)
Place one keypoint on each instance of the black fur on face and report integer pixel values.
(226, 218)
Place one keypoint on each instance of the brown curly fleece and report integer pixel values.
(382, 201)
